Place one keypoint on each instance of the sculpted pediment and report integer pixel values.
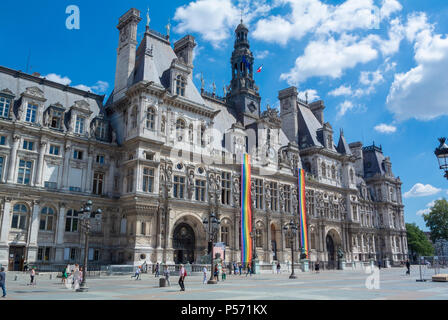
(82, 105)
(7, 92)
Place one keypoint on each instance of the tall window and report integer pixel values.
(352, 176)
(101, 130)
(2, 161)
(225, 235)
(24, 176)
(190, 133)
(19, 217)
(130, 180)
(180, 128)
(56, 119)
(77, 154)
(179, 187)
(202, 136)
(100, 159)
(43, 253)
(200, 190)
(28, 145)
(80, 124)
(274, 196)
(259, 194)
(46, 219)
(162, 125)
(150, 119)
(333, 172)
(2, 140)
(4, 107)
(181, 83)
(324, 170)
(134, 117)
(148, 180)
(71, 221)
(225, 191)
(31, 113)
(54, 150)
(287, 190)
(98, 182)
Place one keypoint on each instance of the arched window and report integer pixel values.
(324, 170)
(71, 221)
(150, 119)
(180, 127)
(225, 234)
(19, 217)
(46, 219)
(181, 83)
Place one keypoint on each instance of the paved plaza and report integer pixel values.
(327, 285)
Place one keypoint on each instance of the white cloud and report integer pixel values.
(261, 54)
(421, 92)
(389, 7)
(341, 91)
(428, 208)
(344, 107)
(385, 128)
(421, 190)
(59, 79)
(330, 58)
(370, 78)
(83, 87)
(99, 87)
(312, 95)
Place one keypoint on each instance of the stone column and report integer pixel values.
(66, 167)
(89, 180)
(60, 229)
(4, 232)
(13, 158)
(34, 229)
(110, 177)
(268, 239)
(138, 177)
(40, 164)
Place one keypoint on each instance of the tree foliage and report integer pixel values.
(418, 243)
(437, 220)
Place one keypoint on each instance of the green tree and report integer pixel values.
(418, 243)
(437, 220)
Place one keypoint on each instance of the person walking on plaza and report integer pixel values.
(408, 266)
(157, 270)
(64, 275)
(224, 275)
(81, 274)
(204, 272)
(182, 275)
(76, 277)
(3, 281)
(235, 268)
(379, 264)
(216, 273)
(166, 273)
(317, 266)
(278, 267)
(32, 275)
(240, 266)
(137, 274)
(249, 270)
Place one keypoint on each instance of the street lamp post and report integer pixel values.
(290, 233)
(86, 215)
(211, 227)
(442, 156)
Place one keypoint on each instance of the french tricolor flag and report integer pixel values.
(259, 69)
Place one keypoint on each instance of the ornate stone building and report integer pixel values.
(160, 155)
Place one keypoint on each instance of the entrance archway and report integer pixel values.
(184, 243)
(333, 243)
(274, 243)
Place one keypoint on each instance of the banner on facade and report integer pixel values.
(246, 211)
(302, 212)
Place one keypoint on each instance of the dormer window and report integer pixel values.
(180, 127)
(31, 113)
(5, 104)
(80, 124)
(56, 119)
(150, 119)
(101, 130)
(181, 83)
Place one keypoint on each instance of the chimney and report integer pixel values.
(184, 50)
(317, 108)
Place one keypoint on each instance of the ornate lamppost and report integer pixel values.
(442, 156)
(211, 226)
(291, 233)
(87, 218)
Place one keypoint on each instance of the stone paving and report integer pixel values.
(327, 285)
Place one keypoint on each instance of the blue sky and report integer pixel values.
(383, 76)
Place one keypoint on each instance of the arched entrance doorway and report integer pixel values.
(274, 243)
(184, 244)
(330, 252)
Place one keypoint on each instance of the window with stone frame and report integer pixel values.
(179, 187)
(2, 164)
(259, 238)
(130, 180)
(287, 192)
(148, 179)
(225, 187)
(5, 107)
(101, 130)
(143, 228)
(77, 154)
(80, 124)
(98, 183)
(24, 173)
(181, 84)
(47, 217)
(43, 253)
(274, 195)
(310, 203)
(259, 193)
(202, 136)
(151, 119)
(31, 113)
(352, 176)
(163, 125)
(28, 145)
(134, 118)
(190, 133)
(71, 221)
(19, 217)
(56, 117)
(180, 129)
(355, 212)
(324, 169)
(54, 150)
(333, 172)
(200, 190)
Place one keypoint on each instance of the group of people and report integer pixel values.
(75, 275)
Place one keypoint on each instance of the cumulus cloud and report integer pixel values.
(421, 190)
(421, 92)
(385, 128)
(99, 87)
(344, 107)
(341, 91)
(58, 78)
(261, 54)
(330, 58)
(428, 208)
(312, 95)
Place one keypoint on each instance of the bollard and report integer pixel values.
(51, 276)
(15, 278)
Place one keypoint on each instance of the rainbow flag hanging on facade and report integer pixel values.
(246, 212)
(302, 212)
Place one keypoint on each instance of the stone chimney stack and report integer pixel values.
(289, 113)
(184, 50)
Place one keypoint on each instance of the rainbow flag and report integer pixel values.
(246, 212)
(302, 212)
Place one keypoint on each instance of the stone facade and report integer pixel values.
(160, 155)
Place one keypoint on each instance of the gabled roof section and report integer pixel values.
(308, 127)
(373, 161)
(342, 145)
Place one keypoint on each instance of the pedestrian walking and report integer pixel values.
(317, 266)
(157, 270)
(136, 274)
(235, 268)
(223, 275)
(240, 266)
(166, 273)
(76, 277)
(32, 275)
(249, 270)
(182, 275)
(379, 264)
(216, 273)
(81, 274)
(3, 281)
(64, 275)
(278, 267)
(204, 272)
(408, 266)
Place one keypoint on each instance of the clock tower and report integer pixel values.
(243, 95)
